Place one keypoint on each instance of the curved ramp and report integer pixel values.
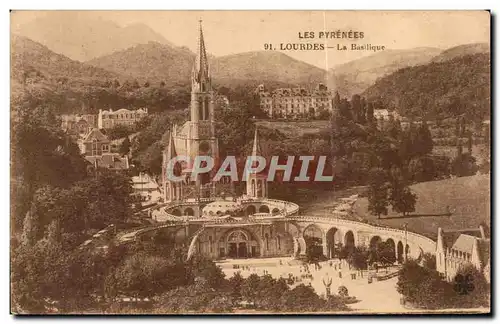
(192, 245)
(302, 245)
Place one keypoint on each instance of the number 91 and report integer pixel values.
(268, 47)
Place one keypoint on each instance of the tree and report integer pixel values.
(209, 271)
(358, 258)
(235, 285)
(31, 230)
(356, 108)
(386, 253)
(429, 261)
(421, 169)
(125, 146)
(301, 299)
(403, 200)
(370, 119)
(141, 275)
(249, 289)
(464, 165)
(420, 286)
(471, 287)
(424, 143)
(378, 192)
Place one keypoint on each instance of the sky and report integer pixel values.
(231, 32)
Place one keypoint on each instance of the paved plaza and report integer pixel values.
(377, 296)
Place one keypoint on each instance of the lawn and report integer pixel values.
(451, 151)
(468, 199)
(295, 128)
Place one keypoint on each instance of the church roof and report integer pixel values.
(109, 160)
(464, 243)
(96, 134)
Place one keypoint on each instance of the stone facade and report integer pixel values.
(108, 118)
(459, 248)
(295, 102)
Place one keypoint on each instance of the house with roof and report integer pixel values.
(94, 143)
(108, 118)
(95, 146)
(146, 187)
(78, 125)
(458, 248)
(111, 161)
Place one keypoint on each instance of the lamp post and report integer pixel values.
(406, 241)
(327, 281)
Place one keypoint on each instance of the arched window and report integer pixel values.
(200, 109)
(278, 241)
(207, 110)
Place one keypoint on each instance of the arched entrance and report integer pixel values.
(251, 210)
(374, 242)
(388, 253)
(276, 211)
(400, 252)
(313, 237)
(264, 209)
(333, 242)
(239, 245)
(176, 212)
(189, 211)
(407, 251)
(349, 242)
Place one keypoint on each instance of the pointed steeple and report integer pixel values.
(200, 69)
(256, 149)
(171, 153)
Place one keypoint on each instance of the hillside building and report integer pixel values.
(295, 102)
(78, 125)
(458, 248)
(108, 118)
(95, 146)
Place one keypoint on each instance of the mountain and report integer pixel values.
(155, 61)
(355, 76)
(266, 67)
(449, 88)
(152, 61)
(32, 60)
(41, 77)
(82, 35)
(462, 50)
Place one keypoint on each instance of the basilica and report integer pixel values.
(207, 215)
(210, 219)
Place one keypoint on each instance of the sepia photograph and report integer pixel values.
(250, 162)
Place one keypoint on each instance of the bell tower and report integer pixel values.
(202, 141)
(256, 182)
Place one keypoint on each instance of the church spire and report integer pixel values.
(171, 153)
(256, 150)
(200, 69)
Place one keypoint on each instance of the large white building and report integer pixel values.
(108, 118)
(458, 248)
(295, 102)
